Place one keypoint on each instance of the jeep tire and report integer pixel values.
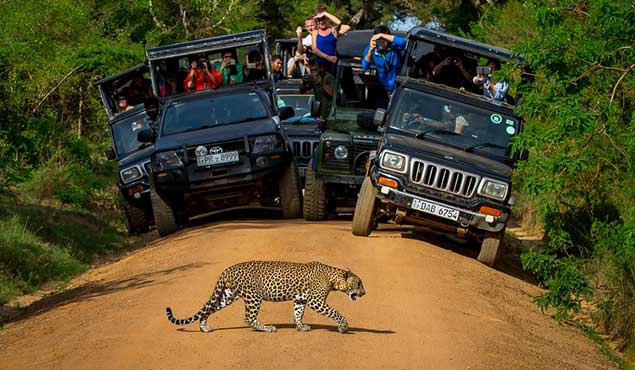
(164, 215)
(290, 192)
(491, 248)
(137, 219)
(365, 209)
(315, 201)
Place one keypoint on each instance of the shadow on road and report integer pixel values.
(87, 292)
(509, 262)
(314, 327)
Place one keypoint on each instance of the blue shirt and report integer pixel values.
(387, 64)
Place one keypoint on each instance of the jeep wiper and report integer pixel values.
(245, 120)
(471, 148)
(435, 130)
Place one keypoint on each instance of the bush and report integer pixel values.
(26, 261)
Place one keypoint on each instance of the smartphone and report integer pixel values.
(483, 70)
(251, 65)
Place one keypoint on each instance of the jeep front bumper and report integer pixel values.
(417, 209)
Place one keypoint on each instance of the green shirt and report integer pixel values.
(238, 77)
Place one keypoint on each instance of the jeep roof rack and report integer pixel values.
(204, 45)
(479, 48)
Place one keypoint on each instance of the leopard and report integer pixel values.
(306, 284)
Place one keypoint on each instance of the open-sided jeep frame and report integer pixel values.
(445, 160)
(133, 157)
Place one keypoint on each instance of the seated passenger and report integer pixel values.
(276, 68)
(231, 71)
(492, 89)
(444, 67)
(200, 76)
(297, 66)
(384, 52)
(122, 103)
(255, 68)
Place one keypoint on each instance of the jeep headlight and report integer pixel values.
(340, 152)
(266, 144)
(493, 189)
(165, 160)
(130, 174)
(394, 162)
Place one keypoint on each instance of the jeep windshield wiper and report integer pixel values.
(245, 120)
(435, 130)
(471, 148)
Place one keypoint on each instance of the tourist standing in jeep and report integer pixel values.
(338, 164)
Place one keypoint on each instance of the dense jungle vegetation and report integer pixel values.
(59, 206)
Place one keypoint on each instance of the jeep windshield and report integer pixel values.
(471, 128)
(301, 103)
(124, 134)
(210, 111)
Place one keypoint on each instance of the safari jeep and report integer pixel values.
(337, 165)
(445, 160)
(216, 149)
(133, 157)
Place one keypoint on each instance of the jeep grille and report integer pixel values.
(304, 148)
(442, 178)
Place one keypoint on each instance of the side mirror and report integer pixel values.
(315, 108)
(379, 117)
(286, 113)
(146, 136)
(110, 154)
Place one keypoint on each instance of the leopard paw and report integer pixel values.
(343, 328)
(304, 327)
(205, 328)
(269, 328)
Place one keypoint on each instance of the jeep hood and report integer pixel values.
(142, 155)
(447, 155)
(217, 133)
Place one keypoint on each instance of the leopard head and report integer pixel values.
(350, 284)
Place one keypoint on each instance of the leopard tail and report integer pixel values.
(207, 308)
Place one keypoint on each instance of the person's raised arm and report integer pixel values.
(336, 21)
(298, 32)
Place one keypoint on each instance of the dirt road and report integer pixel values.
(426, 307)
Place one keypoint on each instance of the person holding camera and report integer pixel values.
(496, 90)
(201, 76)
(452, 71)
(297, 66)
(255, 68)
(322, 82)
(385, 52)
(305, 43)
(231, 71)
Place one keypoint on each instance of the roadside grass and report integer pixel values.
(54, 224)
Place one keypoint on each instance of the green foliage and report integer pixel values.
(26, 261)
(580, 133)
(565, 282)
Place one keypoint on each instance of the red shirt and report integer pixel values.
(202, 79)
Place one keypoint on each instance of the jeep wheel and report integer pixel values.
(491, 248)
(137, 220)
(164, 215)
(365, 209)
(290, 192)
(315, 202)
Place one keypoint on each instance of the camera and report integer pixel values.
(310, 78)
(381, 43)
(251, 65)
(230, 62)
(483, 70)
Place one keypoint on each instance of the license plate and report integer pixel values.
(435, 209)
(212, 159)
(302, 171)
